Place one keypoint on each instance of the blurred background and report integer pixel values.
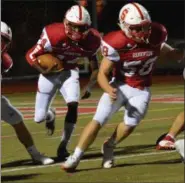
(27, 19)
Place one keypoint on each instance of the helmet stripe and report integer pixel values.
(138, 9)
(6, 36)
(80, 13)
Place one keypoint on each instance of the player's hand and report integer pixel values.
(113, 94)
(85, 94)
(43, 70)
(50, 69)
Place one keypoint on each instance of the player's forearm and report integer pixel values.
(92, 80)
(31, 57)
(176, 54)
(104, 82)
(38, 67)
(33, 53)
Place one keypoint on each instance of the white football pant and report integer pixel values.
(134, 100)
(67, 82)
(9, 113)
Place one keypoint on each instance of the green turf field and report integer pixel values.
(136, 157)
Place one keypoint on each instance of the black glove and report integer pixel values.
(86, 95)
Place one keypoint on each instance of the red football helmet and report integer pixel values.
(77, 22)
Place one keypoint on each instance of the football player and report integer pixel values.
(131, 52)
(69, 41)
(9, 113)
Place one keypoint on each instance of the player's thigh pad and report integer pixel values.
(48, 83)
(136, 107)
(9, 113)
(47, 86)
(106, 107)
(70, 88)
(42, 105)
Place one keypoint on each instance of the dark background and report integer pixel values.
(27, 19)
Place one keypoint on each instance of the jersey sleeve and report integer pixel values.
(93, 43)
(109, 52)
(44, 41)
(164, 41)
(51, 35)
(43, 46)
(94, 56)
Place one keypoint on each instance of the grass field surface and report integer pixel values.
(137, 160)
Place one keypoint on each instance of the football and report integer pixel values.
(51, 62)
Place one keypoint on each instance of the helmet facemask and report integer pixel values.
(74, 31)
(5, 43)
(139, 32)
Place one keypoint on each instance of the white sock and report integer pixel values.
(68, 130)
(78, 153)
(32, 150)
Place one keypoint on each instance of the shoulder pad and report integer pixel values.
(117, 39)
(55, 33)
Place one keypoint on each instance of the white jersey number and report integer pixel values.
(131, 67)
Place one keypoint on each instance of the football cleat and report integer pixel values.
(70, 164)
(166, 143)
(179, 144)
(108, 155)
(41, 159)
(50, 123)
(62, 152)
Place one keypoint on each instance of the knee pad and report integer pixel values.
(9, 113)
(71, 116)
(15, 118)
(40, 116)
(132, 120)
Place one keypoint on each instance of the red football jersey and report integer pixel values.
(134, 62)
(54, 40)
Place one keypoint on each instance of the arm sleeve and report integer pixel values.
(43, 46)
(109, 52)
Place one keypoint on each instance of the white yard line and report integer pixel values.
(89, 114)
(96, 99)
(87, 160)
(50, 138)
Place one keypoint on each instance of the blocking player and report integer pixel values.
(9, 113)
(69, 41)
(131, 52)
